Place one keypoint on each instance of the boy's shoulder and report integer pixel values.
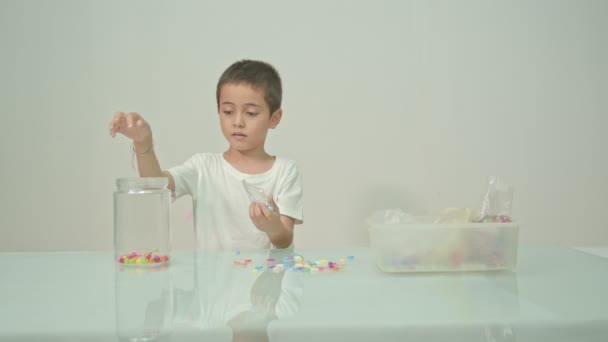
(215, 160)
(287, 164)
(206, 156)
(205, 159)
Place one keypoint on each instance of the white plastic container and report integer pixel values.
(428, 247)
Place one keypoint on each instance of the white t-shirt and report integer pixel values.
(221, 203)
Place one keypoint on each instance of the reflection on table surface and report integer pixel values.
(556, 294)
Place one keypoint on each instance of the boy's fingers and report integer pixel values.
(129, 121)
(259, 211)
(134, 115)
(262, 207)
(254, 211)
(251, 210)
(121, 122)
(118, 118)
(114, 127)
(273, 203)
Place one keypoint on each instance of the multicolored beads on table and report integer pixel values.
(148, 259)
(495, 218)
(295, 263)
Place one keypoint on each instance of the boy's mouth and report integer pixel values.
(238, 136)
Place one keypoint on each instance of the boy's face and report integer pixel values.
(245, 117)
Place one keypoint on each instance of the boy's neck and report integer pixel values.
(251, 162)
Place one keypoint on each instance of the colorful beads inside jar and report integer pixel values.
(144, 259)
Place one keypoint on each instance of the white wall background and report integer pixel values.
(387, 104)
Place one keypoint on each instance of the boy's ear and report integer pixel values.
(275, 118)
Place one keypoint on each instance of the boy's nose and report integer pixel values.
(238, 120)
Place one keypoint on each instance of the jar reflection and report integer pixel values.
(144, 303)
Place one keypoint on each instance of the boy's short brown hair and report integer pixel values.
(259, 75)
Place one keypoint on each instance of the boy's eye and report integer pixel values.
(252, 113)
(227, 112)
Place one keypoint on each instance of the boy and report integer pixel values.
(248, 99)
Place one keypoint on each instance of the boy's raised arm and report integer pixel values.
(133, 126)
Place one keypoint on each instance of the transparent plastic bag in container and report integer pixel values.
(496, 202)
(142, 228)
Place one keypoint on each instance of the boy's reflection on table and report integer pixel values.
(245, 301)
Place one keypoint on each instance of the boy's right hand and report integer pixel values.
(131, 125)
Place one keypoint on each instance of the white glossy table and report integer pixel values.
(557, 294)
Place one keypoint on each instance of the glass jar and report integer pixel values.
(142, 229)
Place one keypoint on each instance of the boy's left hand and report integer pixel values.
(264, 219)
